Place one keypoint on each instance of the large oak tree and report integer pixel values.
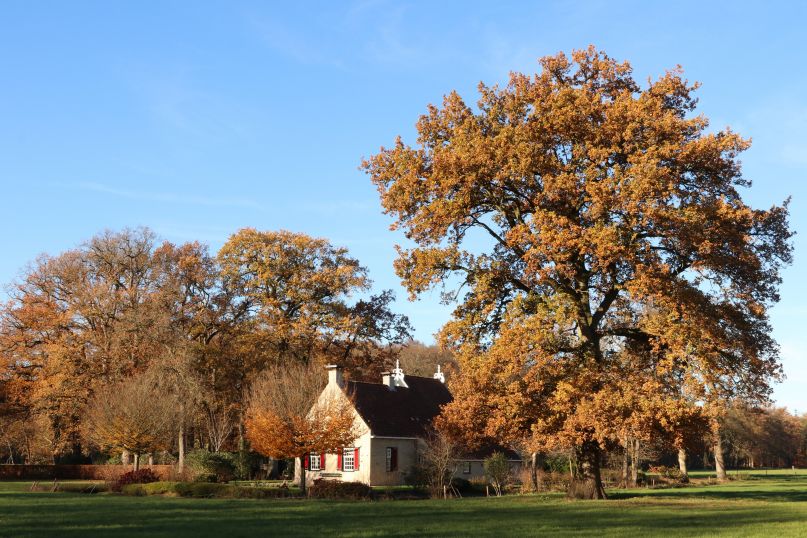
(304, 300)
(612, 273)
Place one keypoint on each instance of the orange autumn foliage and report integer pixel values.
(614, 280)
(288, 416)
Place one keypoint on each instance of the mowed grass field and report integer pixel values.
(756, 505)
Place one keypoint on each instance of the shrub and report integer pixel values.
(211, 466)
(204, 490)
(671, 473)
(245, 463)
(462, 485)
(580, 489)
(141, 476)
(497, 469)
(333, 489)
(417, 477)
(153, 488)
(199, 489)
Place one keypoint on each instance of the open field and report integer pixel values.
(758, 505)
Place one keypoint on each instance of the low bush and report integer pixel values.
(463, 486)
(497, 470)
(670, 473)
(70, 487)
(246, 464)
(211, 466)
(204, 490)
(333, 489)
(153, 488)
(141, 476)
(417, 477)
(580, 489)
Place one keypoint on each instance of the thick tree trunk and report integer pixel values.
(624, 481)
(534, 470)
(682, 465)
(589, 485)
(302, 477)
(151, 459)
(124, 457)
(137, 462)
(181, 443)
(634, 463)
(720, 467)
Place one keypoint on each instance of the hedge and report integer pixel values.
(204, 490)
(75, 472)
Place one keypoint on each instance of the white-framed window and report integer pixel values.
(316, 462)
(349, 459)
(466, 467)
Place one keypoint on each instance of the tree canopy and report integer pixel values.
(608, 273)
(121, 304)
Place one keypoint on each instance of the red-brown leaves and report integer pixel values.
(613, 276)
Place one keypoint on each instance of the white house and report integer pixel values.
(392, 419)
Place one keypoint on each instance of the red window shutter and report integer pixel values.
(322, 461)
(356, 459)
(339, 460)
(394, 464)
(305, 462)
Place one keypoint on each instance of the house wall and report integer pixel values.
(478, 469)
(333, 392)
(407, 457)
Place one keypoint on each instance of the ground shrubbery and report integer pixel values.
(462, 486)
(497, 471)
(209, 466)
(205, 490)
(70, 487)
(668, 472)
(141, 476)
(333, 489)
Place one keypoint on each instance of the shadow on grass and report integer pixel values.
(779, 488)
(675, 512)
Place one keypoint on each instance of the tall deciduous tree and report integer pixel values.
(604, 247)
(134, 415)
(284, 422)
(298, 290)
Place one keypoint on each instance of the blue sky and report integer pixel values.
(200, 118)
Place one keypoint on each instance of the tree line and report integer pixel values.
(165, 340)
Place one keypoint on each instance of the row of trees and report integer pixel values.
(160, 338)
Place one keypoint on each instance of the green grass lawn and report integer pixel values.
(757, 505)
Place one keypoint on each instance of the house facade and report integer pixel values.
(392, 418)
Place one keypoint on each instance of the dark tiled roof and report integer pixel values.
(403, 412)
